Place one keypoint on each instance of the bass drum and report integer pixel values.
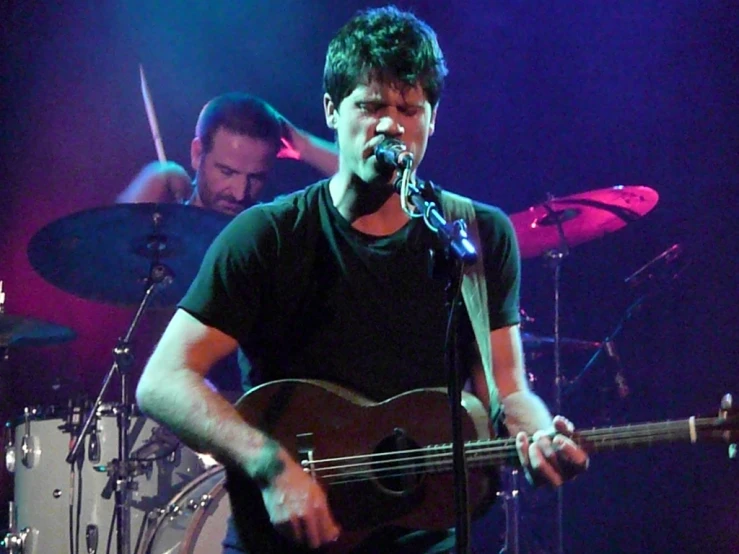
(60, 508)
(194, 522)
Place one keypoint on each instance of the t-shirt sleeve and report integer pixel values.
(502, 262)
(227, 290)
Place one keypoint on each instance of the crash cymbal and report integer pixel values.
(19, 332)
(540, 341)
(581, 217)
(109, 254)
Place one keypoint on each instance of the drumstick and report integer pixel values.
(152, 117)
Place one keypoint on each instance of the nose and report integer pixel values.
(240, 190)
(389, 126)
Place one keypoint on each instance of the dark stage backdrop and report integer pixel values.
(542, 97)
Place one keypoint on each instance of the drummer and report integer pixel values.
(238, 137)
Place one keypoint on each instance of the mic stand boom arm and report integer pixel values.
(453, 235)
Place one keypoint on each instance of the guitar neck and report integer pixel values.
(503, 451)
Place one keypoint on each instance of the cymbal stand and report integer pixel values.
(556, 257)
(122, 470)
(511, 493)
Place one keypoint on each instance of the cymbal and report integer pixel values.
(582, 217)
(111, 254)
(19, 332)
(540, 341)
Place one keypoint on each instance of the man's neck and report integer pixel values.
(370, 209)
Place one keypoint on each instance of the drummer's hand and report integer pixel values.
(159, 182)
(292, 141)
(551, 456)
(298, 507)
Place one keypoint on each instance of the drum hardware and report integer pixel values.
(653, 278)
(142, 255)
(48, 508)
(193, 521)
(551, 229)
(14, 540)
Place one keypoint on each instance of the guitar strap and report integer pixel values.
(475, 291)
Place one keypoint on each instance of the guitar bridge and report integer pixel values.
(306, 447)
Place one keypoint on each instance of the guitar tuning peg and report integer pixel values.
(726, 403)
(726, 408)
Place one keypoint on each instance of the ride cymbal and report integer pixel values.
(579, 218)
(20, 332)
(531, 341)
(112, 254)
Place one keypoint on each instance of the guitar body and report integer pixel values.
(319, 421)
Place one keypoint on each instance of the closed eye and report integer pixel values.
(226, 171)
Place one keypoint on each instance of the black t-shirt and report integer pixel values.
(308, 296)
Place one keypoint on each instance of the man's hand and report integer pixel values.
(292, 141)
(159, 182)
(298, 507)
(551, 456)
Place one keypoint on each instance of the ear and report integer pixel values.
(330, 110)
(196, 153)
(432, 123)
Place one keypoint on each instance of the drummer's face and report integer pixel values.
(232, 175)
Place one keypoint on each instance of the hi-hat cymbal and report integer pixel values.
(111, 254)
(540, 341)
(580, 217)
(20, 332)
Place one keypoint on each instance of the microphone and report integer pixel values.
(393, 154)
(647, 271)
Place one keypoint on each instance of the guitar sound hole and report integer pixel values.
(397, 469)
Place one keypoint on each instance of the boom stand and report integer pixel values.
(121, 470)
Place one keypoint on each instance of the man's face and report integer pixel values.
(373, 112)
(232, 175)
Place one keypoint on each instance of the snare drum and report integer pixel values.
(194, 521)
(65, 508)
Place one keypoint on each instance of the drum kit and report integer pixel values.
(99, 477)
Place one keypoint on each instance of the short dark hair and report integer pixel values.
(240, 113)
(387, 45)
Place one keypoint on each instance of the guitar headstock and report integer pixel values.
(728, 422)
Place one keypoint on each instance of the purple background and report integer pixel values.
(543, 97)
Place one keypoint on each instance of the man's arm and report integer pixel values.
(172, 390)
(298, 144)
(158, 182)
(543, 442)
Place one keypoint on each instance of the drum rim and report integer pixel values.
(151, 531)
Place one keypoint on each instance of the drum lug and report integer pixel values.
(15, 543)
(203, 503)
(27, 443)
(28, 447)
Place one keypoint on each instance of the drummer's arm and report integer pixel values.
(173, 391)
(298, 144)
(165, 182)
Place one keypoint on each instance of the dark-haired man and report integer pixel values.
(332, 283)
(238, 137)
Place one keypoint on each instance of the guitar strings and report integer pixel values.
(389, 464)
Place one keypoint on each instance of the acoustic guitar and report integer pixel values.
(390, 463)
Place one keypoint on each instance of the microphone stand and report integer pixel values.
(459, 252)
(121, 471)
